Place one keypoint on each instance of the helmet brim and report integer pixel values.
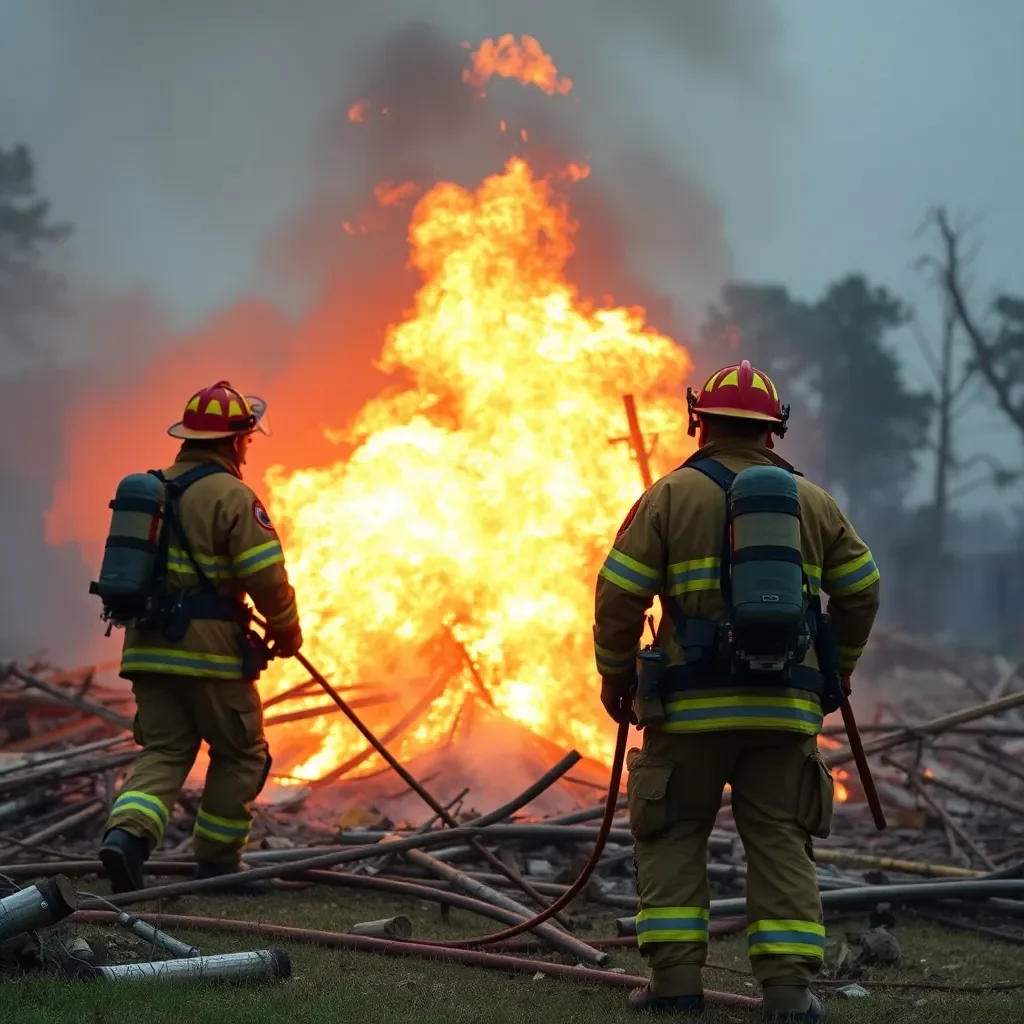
(738, 414)
(259, 410)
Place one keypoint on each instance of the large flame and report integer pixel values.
(453, 551)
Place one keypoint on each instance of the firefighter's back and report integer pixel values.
(724, 712)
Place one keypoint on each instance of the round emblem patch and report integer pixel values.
(629, 517)
(259, 513)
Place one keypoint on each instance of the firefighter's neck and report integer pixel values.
(230, 453)
(720, 434)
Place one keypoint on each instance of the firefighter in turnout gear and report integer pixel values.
(194, 669)
(714, 714)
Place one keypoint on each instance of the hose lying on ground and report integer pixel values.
(393, 947)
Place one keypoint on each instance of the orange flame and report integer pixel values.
(524, 61)
(387, 193)
(842, 794)
(357, 112)
(459, 541)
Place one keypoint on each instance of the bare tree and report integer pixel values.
(951, 382)
(998, 357)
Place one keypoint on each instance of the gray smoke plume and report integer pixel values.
(205, 154)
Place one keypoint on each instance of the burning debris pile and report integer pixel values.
(444, 564)
(945, 760)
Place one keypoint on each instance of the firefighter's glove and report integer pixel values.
(847, 683)
(287, 645)
(617, 697)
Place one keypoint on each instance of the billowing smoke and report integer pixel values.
(300, 135)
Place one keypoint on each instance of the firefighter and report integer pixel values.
(197, 682)
(716, 727)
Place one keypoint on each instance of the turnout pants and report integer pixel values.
(781, 796)
(174, 714)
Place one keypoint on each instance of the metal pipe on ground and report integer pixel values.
(406, 776)
(333, 857)
(614, 783)
(393, 886)
(257, 965)
(504, 833)
(150, 933)
(390, 947)
(486, 894)
(718, 929)
(590, 814)
(851, 858)
(865, 897)
(37, 906)
(387, 928)
(80, 868)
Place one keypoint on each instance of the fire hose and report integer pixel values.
(551, 909)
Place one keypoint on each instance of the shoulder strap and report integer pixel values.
(712, 469)
(172, 521)
(180, 484)
(723, 476)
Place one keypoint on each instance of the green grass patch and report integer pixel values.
(329, 985)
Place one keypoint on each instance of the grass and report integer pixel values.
(341, 987)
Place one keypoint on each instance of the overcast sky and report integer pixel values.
(176, 136)
(789, 141)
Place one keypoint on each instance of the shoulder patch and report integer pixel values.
(630, 516)
(259, 513)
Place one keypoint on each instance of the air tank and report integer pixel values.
(129, 557)
(767, 565)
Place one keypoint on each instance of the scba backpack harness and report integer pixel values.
(772, 617)
(133, 577)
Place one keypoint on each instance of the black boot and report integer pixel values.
(123, 856)
(814, 1013)
(234, 879)
(643, 1000)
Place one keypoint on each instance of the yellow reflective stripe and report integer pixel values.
(795, 938)
(853, 576)
(285, 618)
(221, 830)
(213, 566)
(631, 575)
(693, 575)
(745, 711)
(672, 924)
(813, 574)
(610, 663)
(146, 804)
(849, 656)
(253, 560)
(177, 662)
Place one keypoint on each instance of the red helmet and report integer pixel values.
(220, 411)
(740, 392)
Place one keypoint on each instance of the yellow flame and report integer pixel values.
(464, 531)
